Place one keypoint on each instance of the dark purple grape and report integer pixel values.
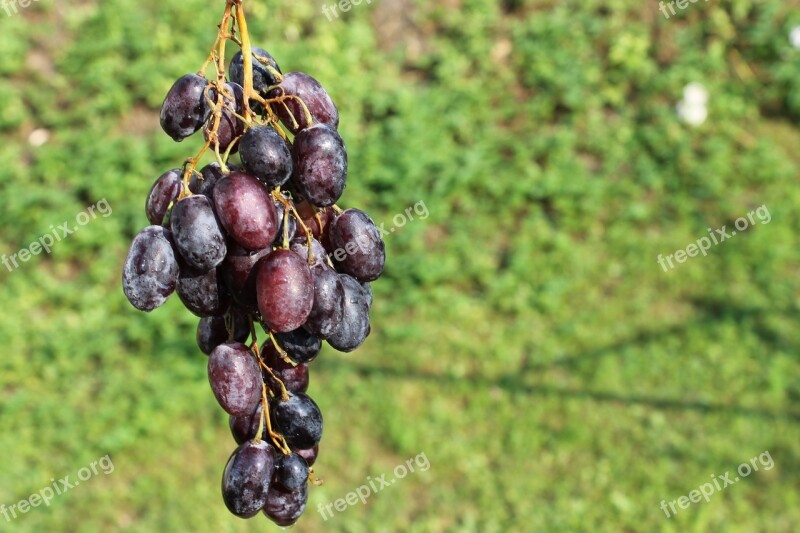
(185, 109)
(245, 427)
(317, 220)
(203, 293)
(294, 378)
(320, 165)
(318, 253)
(285, 508)
(328, 310)
(309, 455)
(309, 90)
(291, 472)
(246, 210)
(354, 328)
(235, 378)
(367, 292)
(151, 270)
(292, 229)
(262, 77)
(285, 290)
(197, 234)
(358, 249)
(247, 478)
(298, 419)
(266, 155)
(230, 126)
(213, 331)
(209, 176)
(239, 274)
(300, 345)
(164, 192)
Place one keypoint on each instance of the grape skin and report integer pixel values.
(311, 92)
(262, 77)
(328, 310)
(212, 331)
(185, 108)
(246, 210)
(230, 126)
(235, 378)
(164, 192)
(151, 271)
(197, 234)
(203, 293)
(320, 165)
(294, 378)
(285, 290)
(358, 247)
(266, 155)
(354, 328)
(291, 472)
(300, 345)
(299, 420)
(245, 427)
(247, 478)
(239, 274)
(285, 508)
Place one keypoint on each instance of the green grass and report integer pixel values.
(524, 337)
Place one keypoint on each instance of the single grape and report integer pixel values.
(213, 331)
(239, 274)
(246, 210)
(266, 155)
(197, 234)
(320, 165)
(285, 290)
(151, 270)
(291, 472)
(310, 455)
(292, 226)
(245, 427)
(209, 176)
(164, 192)
(290, 110)
(235, 378)
(247, 478)
(285, 508)
(328, 310)
(294, 378)
(185, 108)
(318, 253)
(354, 328)
(262, 77)
(230, 127)
(300, 345)
(298, 419)
(316, 220)
(203, 293)
(358, 247)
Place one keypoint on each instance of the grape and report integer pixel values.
(316, 220)
(210, 175)
(294, 378)
(291, 472)
(292, 229)
(285, 290)
(247, 478)
(203, 292)
(165, 190)
(230, 126)
(266, 155)
(212, 331)
(318, 253)
(246, 210)
(239, 274)
(358, 247)
(317, 100)
(151, 270)
(245, 427)
(235, 378)
(320, 165)
(185, 108)
(285, 508)
(262, 77)
(354, 328)
(328, 310)
(198, 236)
(301, 346)
(309, 455)
(298, 419)
(367, 292)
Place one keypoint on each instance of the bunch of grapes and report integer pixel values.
(259, 241)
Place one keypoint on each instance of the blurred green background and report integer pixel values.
(524, 337)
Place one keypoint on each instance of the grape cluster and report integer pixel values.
(259, 241)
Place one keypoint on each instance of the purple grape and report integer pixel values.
(294, 378)
(328, 310)
(354, 328)
(235, 378)
(358, 249)
(197, 234)
(300, 345)
(291, 472)
(317, 100)
(212, 330)
(239, 274)
(245, 427)
(298, 419)
(203, 293)
(317, 220)
(210, 174)
(246, 211)
(150, 274)
(318, 253)
(266, 155)
(285, 290)
(164, 192)
(185, 108)
(262, 77)
(320, 165)
(247, 478)
(292, 230)
(285, 508)
(309, 455)
(230, 126)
